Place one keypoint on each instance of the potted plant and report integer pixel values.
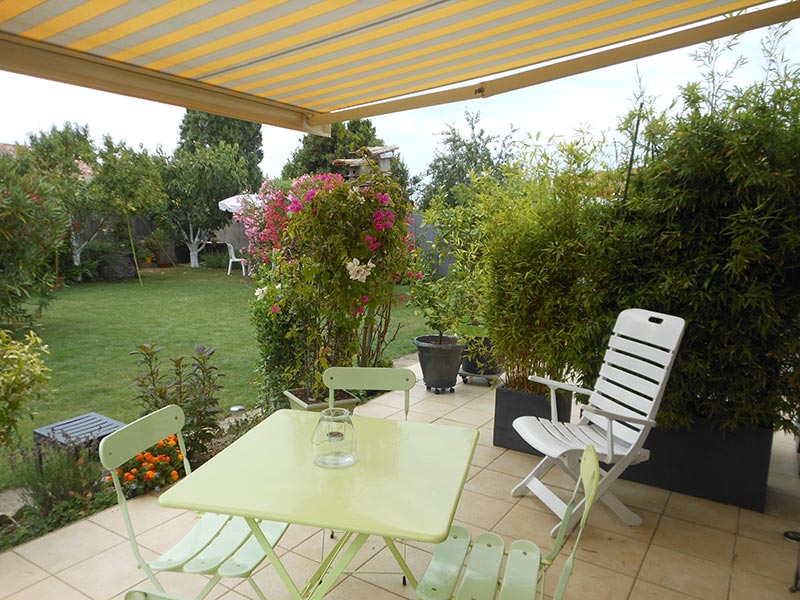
(457, 246)
(329, 253)
(439, 354)
(536, 267)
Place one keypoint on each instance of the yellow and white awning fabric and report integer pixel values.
(303, 64)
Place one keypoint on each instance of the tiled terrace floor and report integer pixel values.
(686, 548)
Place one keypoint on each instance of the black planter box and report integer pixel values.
(702, 462)
(510, 404)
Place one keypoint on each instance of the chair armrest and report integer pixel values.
(560, 385)
(618, 417)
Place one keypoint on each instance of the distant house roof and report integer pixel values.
(11, 149)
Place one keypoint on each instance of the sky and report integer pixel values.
(595, 100)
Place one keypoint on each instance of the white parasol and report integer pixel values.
(234, 203)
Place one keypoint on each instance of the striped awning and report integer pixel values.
(303, 64)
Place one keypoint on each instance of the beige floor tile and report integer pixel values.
(637, 495)
(162, 538)
(416, 417)
(297, 534)
(50, 588)
(780, 505)
(352, 587)
(188, 585)
(145, 512)
(685, 574)
(784, 483)
(417, 561)
(476, 418)
(589, 581)
(749, 586)
(767, 528)
(704, 542)
(703, 512)
(486, 437)
(312, 548)
(377, 411)
(69, 545)
(232, 595)
(480, 510)
(484, 403)
(95, 579)
(602, 517)
(643, 590)
(435, 408)
(768, 560)
(522, 522)
(485, 455)
(299, 567)
(611, 550)
(493, 483)
(394, 399)
(514, 463)
(16, 573)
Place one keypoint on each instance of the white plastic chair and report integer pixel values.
(217, 545)
(232, 258)
(620, 413)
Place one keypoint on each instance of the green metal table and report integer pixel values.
(405, 485)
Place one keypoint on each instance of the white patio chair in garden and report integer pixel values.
(232, 258)
(620, 413)
(217, 545)
(524, 574)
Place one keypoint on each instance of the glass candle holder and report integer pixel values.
(334, 439)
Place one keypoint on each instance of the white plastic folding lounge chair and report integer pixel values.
(525, 568)
(373, 379)
(232, 258)
(217, 545)
(620, 413)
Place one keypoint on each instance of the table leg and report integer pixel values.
(326, 583)
(401, 562)
(275, 560)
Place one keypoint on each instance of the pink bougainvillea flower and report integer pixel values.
(372, 243)
(275, 308)
(382, 198)
(365, 299)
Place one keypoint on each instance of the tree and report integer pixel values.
(462, 157)
(67, 159)
(195, 181)
(316, 153)
(202, 129)
(128, 182)
(32, 228)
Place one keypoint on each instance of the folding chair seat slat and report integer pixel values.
(220, 548)
(250, 554)
(521, 575)
(483, 568)
(202, 533)
(441, 576)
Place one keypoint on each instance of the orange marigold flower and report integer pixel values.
(134, 470)
(160, 444)
(119, 471)
(174, 475)
(129, 477)
(172, 442)
(140, 457)
(180, 456)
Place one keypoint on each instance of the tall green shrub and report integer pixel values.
(32, 228)
(716, 221)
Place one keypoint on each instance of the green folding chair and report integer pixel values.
(524, 575)
(218, 545)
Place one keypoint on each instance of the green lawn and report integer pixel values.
(90, 330)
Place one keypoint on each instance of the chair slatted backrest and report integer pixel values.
(369, 378)
(635, 370)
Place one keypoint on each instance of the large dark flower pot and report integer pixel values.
(478, 359)
(439, 362)
(730, 468)
(510, 404)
